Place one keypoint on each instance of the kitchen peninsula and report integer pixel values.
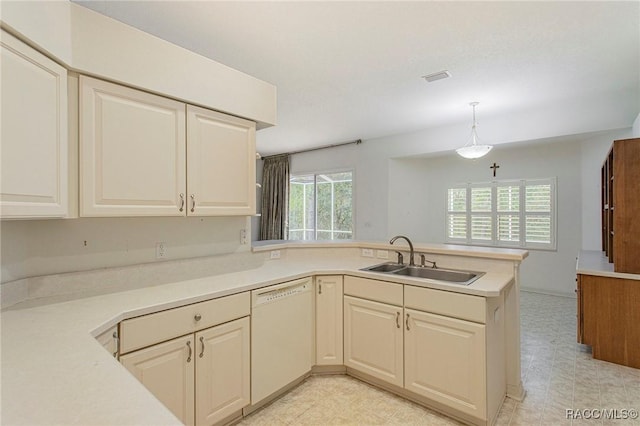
(50, 351)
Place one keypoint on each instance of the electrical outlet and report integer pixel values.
(161, 250)
(382, 254)
(275, 254)
(243, 236)
(367, 252)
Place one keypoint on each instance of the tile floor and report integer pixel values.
(558, 374)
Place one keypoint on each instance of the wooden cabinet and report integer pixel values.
(221, 159)
(132, 152)
(146, 155)
(621, 205)
(373, 339)
(167, 371)
(222, 371)
(203, 377)
(445, 361)
(329, 320)
(444, 347)
(34, 148)
(608, 318)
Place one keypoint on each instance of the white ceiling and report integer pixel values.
(352, 70)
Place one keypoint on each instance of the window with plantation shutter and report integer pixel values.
(503, 214)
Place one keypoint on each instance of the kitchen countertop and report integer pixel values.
(55, 372)
(591, 262)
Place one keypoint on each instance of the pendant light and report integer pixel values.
(472, 150)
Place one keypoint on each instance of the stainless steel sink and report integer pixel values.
(449, 276)
(385, 267)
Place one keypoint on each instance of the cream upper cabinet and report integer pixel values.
(445, 361)
(167, 370)
(329, 320)
(132, 152)
(146, 155)
(221, 166)
(222, 369)
(34, 138)
(373, 339)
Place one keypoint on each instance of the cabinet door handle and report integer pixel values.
(319, 288)
(407, 322)
(190, 352)
(398, 319)
(181, 202)
(202, 343)
(117, 341)
(193, 202)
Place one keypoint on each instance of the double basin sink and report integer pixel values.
(449, 276)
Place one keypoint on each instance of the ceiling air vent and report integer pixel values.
(436, 76)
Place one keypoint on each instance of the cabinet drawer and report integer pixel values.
(446, 303)
(380, 291)
(147, 330)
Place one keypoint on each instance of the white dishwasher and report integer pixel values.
(281, 336)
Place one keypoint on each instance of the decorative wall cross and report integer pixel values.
(494, 167)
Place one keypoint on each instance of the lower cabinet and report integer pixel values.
(222, 371)
(433, 355)
(329, 319)
(608, 318)
(373, 339)
(167, 370)
(202, 377)
(445, 360)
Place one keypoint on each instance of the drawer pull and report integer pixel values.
(202, 343)
(198, 317)
(190, 352)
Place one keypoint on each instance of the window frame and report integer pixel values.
(315, 175)
(522, 214)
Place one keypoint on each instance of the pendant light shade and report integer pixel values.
(472, 149)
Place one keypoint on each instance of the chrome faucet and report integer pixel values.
(411, 262)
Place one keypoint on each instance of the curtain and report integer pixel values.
(275, 198)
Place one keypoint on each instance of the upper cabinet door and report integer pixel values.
(34, 133)
(132, 152)
(221, 164)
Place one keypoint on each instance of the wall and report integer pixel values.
(400, 190)
(38, 247)
(418, 207)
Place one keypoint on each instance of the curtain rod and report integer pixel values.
(357, 142)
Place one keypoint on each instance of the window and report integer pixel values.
(321, 206)
(503, 213)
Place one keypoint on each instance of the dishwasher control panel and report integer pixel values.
(282, 291)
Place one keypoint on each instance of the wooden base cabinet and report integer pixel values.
(222, 371)
(373, 340)
(443, 348)
(445, 360)
(203, 375)
(167, 371)
(329, 320)
(608, 318)
(202, 378)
